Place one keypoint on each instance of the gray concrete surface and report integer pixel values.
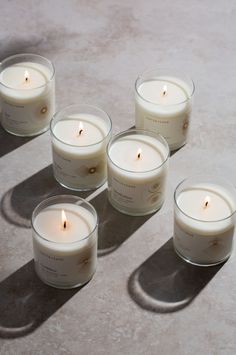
(143, 299)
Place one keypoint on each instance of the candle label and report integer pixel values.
(79, 172)
(173, 129)
(61, 269)
(143, 196)
(203, 248)
(27, 118)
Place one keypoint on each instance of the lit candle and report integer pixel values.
(27, 94)
(137, 170)
(163, 105)
(65, 241)
(79, 137)
(204, 222)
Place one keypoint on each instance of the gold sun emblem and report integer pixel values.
(43, 110)
(185, 125)
(92, 170)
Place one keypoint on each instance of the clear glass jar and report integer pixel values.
(204, 219)
(65, 231)
(137, 171)
(80, 134)
(27, 94)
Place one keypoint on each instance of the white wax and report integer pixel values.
(27, 105)
(65, 257)
(204, 233)
(137, 185)
(79, 160)
(167, 114)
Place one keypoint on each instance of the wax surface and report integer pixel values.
(94, 130)
(152, 91)
(80, 223)
(192, 202)
(124, 153)
(14, 76)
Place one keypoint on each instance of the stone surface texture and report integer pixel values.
(143, 299)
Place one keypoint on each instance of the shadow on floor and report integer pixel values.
(165, 283)
(26, 302)
(18, 203)
(9, 142)
(114, 226)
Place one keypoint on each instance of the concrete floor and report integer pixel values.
(143, 299)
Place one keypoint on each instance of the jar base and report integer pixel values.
(78, 188)
(26, 134)
(65, 287)
(135, 213)
(198, 263)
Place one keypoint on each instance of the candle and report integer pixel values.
(79, 137)
(137, 170)
(27, 94)
(65, 241)
(204, 221)
(163, 105)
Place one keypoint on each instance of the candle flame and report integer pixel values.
(81, 128)
(26, 75)
(164, 90)
(206, 202)
(139, 152)
(63, 219)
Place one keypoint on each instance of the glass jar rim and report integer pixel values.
(33, 56)
(198, 219)
(161, 139)
(74, 106)
(188, 98)
(47, 203)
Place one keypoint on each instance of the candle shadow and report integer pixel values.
(18, 203)
(114, 227)
(165, 283)
(9, 142)
(26, 302)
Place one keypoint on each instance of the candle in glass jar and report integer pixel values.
(204, 223)
(79, 137)
(27, 94)
(163, 105)
(65, 241)
(137, 170)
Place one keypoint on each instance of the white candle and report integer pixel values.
(65, 242)
(204, 223)
(27, 94)
(79, 147)
(163, 105)
(137, 170)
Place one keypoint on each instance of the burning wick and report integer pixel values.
(164, 90)
(26, 76)
(206, 202)
(139, 153)
(81, 128)
(63, 219)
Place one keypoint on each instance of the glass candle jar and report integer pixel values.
(27, 94)
(80, 134)
(137, 171)
(204, 220)
(65, 241)
(163, 104)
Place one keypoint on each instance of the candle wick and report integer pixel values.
(206, 203)
(80, 131)
(139, 155)
(64, 225)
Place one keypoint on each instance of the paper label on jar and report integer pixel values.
(79, 172)
(27, 118)
(203, 248)
(65, 270)
(173, 129)
(137, 196)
